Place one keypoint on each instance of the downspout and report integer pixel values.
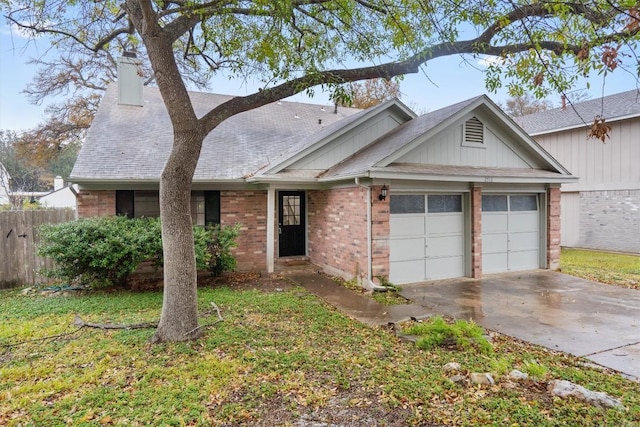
(368, 283)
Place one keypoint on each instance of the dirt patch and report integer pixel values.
(238, 281)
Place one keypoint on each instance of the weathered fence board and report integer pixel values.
(19, 264)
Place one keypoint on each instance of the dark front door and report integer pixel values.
(291, 223)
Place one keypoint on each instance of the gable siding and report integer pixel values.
(447, 148)
(612, 165)
(343, 147)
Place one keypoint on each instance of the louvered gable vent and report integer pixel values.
(474, 131)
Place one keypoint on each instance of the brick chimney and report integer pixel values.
(129, 80)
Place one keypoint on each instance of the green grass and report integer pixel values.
(604, 267)
(275, 357)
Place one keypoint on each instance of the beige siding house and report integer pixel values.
(601, 210)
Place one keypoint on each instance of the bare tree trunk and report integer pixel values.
(179, 318)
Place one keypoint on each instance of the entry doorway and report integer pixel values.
(291, 223)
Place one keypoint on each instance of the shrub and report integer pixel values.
(438, 332)
(220, 242)
(104, 251)
(101, 251)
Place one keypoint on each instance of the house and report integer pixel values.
(601, 210)
(62, 196)
(457, 192)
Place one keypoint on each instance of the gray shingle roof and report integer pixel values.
(133, 143)
(612, 107)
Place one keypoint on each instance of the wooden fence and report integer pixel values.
(19, 264)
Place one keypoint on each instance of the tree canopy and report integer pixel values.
(292, 46)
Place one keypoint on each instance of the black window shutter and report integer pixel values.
(211, 207)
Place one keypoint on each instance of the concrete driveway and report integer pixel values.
(561, 312)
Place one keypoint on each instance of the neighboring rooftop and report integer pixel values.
(613, 107)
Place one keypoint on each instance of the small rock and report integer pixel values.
(509, 385)
(279, 290)
(27, 291)
(483, 378)
(517, 375)
(458, 379)
(451, 367)
(565, 389)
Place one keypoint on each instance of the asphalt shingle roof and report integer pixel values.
(133, 143)
(610, 107)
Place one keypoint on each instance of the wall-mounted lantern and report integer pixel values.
(383, 192)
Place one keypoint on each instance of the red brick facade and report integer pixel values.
(380, 230)
(337, 230)
(336, 227)
(476, 232)
(553, 228)
(248, 208)
(96, 203)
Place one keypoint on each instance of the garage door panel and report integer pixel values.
(523, 221)
(439, 223)
(494, 262)
(495, 222)
(407, 225)
(441, 268)
(523, 241)
(429, 244)
(492, 243)
(510, 236)
(445, 246)
(407, 271)
(407, 249)
(523, 260)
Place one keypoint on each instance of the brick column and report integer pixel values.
(553, 228)
(476, 232)
(380, 230)
(96, 203)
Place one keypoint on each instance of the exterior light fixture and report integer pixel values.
(383, 192)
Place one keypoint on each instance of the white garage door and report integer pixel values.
(510, 233)
(426, 237)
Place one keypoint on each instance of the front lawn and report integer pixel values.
(604, 267)
(280, 357)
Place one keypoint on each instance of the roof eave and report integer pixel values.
(472, 178)
(583, 125)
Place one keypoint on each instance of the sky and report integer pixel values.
(441, 82)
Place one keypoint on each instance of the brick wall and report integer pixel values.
(337, 224)
(476, 232)
(610, 220)
(553, 228)
(96, 203)
(380, 230)
(248, 208)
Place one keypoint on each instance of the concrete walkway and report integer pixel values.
(561, 312)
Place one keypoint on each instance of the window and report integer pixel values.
(444, 203)
(125, 203)
(205, 205)
(494, 203)
(290, 210)
(473, 132)
(406, 204)
(524, 203)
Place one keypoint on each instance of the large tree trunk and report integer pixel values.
(179, 318)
